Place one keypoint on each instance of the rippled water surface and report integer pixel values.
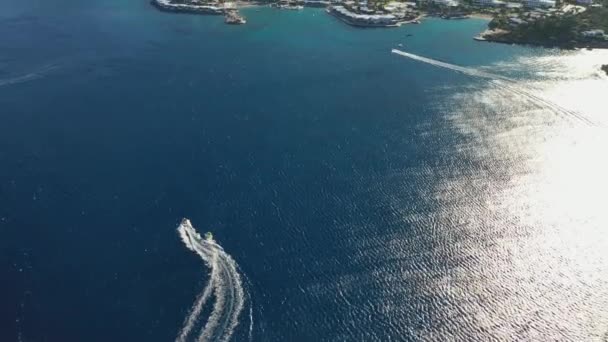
(360, 195)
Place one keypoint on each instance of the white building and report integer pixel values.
(364, 19)
(574, 9)
(490, 3)
(540, 3)
(449, 3)
(514, 5)
(593, 33)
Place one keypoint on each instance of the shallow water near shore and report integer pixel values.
(362, 195)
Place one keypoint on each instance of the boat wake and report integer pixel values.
(504, 83)
(224, 285)
(40, 73)
(464, 70)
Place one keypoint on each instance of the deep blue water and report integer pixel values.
(318, 159)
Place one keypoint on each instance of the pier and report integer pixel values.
(169, 6)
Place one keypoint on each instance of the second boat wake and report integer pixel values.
(224, 285)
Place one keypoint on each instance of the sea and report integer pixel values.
(453, 192)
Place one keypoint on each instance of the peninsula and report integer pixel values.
(215, 7)
(568, 26)
(184, 6)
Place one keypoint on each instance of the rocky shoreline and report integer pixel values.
(505, 37)
(228, 9)
(168, 6)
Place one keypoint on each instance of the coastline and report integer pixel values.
(166, 6)
(488, 35)
(504, 37)
(225, 8)
(212, 9)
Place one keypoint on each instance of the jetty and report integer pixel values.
(196, 7)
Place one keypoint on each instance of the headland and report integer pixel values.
(228, 9)
(196, 7)
(565, 26)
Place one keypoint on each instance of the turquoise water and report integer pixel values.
(364, 196)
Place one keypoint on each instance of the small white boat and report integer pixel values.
(208, 236)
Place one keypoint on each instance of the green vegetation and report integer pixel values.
(553, 30)
(376, 4)
(564, 30)
(605, 68)
(595, 18)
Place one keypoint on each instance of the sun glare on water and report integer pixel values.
(544, 216)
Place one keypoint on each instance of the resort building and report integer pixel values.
(490, 3)
(540, 3)
(574, 9)
(363, 19)
(448, 3)
(593, 34)
(514, 5)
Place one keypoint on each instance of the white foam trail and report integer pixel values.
(213, 323)
(464, 70)
(504, 82)
(192, 317)
(224, 283)
(28, 77)
(251, 322)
